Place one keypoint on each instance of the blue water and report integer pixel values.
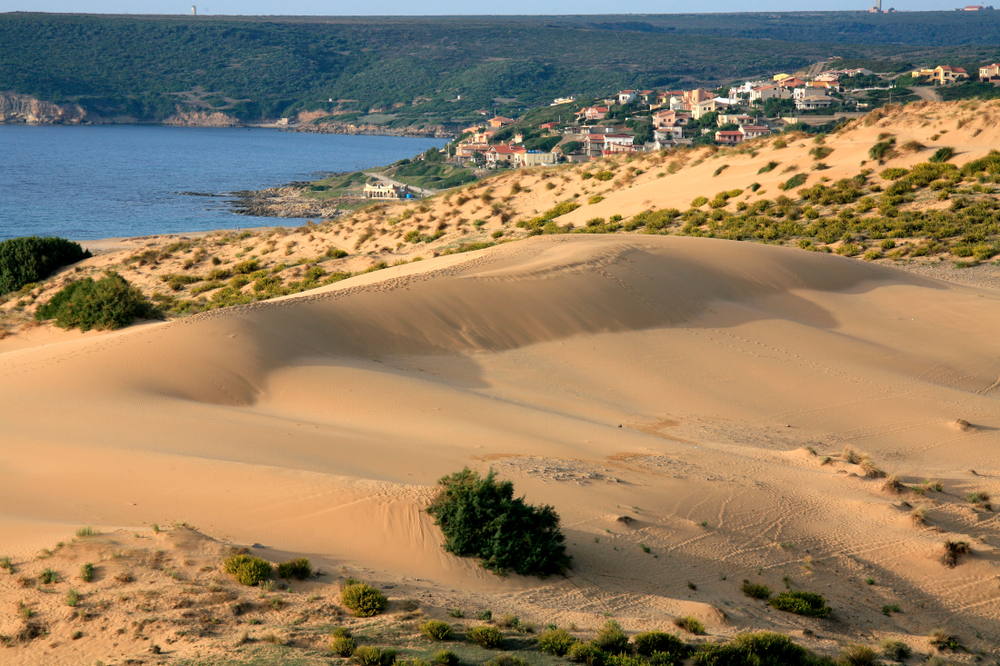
(88, 182)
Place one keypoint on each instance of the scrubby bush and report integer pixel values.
(436, 629)
(699, 202)
(793, 182)
(32, 259)
(343, 646)
(626, 660)
(506, 660)
(587, 653)
(362, 598)
(690, 624)
(942, 154)
(604, 175)
(893, 173)
(247, 569)
(802, 603)
(755, 590)
(106, 304)
(485, 636)
(299, 568)
(556, 641)
(611, 638)
(86, 572)
(480, 517)
(895, 649)
(368, 655)
(859, 655)
(445, 658)
(757, 648)
(649, 643)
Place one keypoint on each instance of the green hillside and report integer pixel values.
(414, 69)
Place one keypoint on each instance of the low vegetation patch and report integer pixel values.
(436, 630)
(556, 641)
(480, 517)
(247, 569)
(810, 604)
(757, 648)
(755, 590)
(299, 568)
(611, 638)
(690, 624)
(485, 636)
(364, 599)
(106, 304)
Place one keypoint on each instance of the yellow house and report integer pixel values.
(782, 77)
(941, 74)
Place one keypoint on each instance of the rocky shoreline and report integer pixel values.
(285, 201)
(432, 132)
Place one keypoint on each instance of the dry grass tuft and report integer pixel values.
(953, 550)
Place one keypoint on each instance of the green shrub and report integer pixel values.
(87, 572)
(690, 624)
(506, 660)
(587, 653)
(611, 638)
(247, 569)
(762, 648)
(755, 590)
(859, 655)
(556, 641)
(369, 655)
(604, 175)
(793, 182)
(597, 198)
(32, 259)
(72, 598)
(248, 266)
(107, 304)
(362, 598)
(893, 173)
(882, 150)
(436, 629)
(446, 658)
(942, 154)
(802, 603)
(481, 518)
(768, 167)
(895, 649)
(649, 643)
(626, 660)
(48, 576)
(485, 636)
(299, 568)
(699, 202)
(335, 253)
(343, 646)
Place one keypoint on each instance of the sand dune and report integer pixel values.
(672, 380)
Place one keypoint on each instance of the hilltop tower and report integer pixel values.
(194, 10)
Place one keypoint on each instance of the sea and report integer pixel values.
(107, 181)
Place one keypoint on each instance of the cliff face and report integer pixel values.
(202, 119)
(16, 108)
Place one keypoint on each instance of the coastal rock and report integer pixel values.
(429, 131)
(17, 108)
(202, 119)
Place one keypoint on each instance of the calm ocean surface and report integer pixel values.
(90, 182)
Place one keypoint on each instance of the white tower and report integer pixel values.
(194, 10)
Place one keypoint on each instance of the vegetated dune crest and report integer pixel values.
(671, 380)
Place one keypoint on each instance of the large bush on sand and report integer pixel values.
(108, 303)
(31, 259)
(480, 517)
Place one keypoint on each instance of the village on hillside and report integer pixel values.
(644, 120)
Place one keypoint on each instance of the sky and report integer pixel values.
(446, 7)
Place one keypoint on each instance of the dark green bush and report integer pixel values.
(362, 598)
(436, 629)
(299, 568)
(32, 259)
(506, 660)
(485, 636)
(942, 154)
(107, 304)
(802, 603)
(611, 638)
(369, 655)
(690, 624)
(763, 648)
(755, 590)
(649, 643)
(481, 518)
(555, 641)
(626, 660)
(343, 646)
(247, 569)
(587, 653)
(793, 182)
(446, 658)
